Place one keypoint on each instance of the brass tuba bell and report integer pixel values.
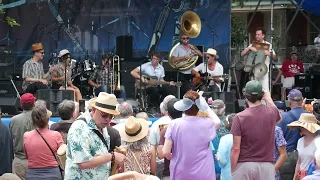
(190, 26)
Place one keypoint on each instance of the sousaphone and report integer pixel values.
(190, 26)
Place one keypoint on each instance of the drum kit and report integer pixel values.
(80, 73)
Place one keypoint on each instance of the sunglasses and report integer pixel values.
(106, 115)
(41, 52)
(185, 38)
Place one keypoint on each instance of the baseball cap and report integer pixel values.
(295, 95)
(293, 52)
(27, 98)
(253, 87)
(217, 104)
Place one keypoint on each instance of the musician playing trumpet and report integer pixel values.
(259, 37)
(214, 68)
(182, 53)
(153, 69)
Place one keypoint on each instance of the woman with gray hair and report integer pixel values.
(40, 146)
(219, 108)
(66, 110)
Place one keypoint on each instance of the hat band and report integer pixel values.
(106, 106)
(136, 133)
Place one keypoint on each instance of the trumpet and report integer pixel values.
(115, 75)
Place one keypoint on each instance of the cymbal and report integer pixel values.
(260, 70)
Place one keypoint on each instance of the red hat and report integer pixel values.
(27, 98)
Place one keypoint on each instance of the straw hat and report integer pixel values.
(307, 121)
(211, 51)
(63, 52)
(106, 103)
(37, 47)
(134, 129)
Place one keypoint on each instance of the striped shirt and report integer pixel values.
(31, 69)
(58, 71)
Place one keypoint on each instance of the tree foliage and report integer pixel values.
(8, 20)
(240, 2)
(239, 32)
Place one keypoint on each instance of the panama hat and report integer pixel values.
(134, 129)
(211, 51)
(105, 102)
(307, 121)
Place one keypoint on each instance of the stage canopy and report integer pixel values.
(311, 6)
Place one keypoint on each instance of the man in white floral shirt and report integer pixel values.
(88, 142)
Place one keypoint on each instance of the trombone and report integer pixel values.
(115, 76)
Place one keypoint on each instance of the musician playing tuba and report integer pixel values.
(152, 70)
(100, 78)
(184, 52)
(259, 38)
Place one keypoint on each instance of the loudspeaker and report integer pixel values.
(229, 99)
(7, 65)
(9, 105)
(124, 47)
(54, 97)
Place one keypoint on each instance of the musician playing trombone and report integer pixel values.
(100, 79)
(153, 70)
(214, 68)
(182, 53)
(259, 37)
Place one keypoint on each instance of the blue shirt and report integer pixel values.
(147, 69)
(290, 136)
(223, 154)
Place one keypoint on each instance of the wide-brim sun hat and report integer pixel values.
(105, 102)
(134, 129)
(186, 103)
(307, 121)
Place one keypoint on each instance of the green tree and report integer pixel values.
(8, 20)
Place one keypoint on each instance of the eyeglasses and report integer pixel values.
(186, 38)
(106, 115)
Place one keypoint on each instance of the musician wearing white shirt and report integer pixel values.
(317, 39)
(214, 68)
(155, 70)
(260, 35)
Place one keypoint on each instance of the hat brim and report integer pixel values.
(311, 127)
(143, 133)
(109, 111)
(181, 105)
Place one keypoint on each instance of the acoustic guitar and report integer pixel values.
(152, 82)
(198, 81)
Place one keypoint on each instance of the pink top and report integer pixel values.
(37, 151)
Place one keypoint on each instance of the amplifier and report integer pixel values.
(303, 82)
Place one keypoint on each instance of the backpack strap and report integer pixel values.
(98, 134)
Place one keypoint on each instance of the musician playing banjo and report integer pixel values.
(259, 38)
(214, 68)
(153, 70)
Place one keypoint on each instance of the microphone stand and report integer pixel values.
(212, 31)
(65, 75)
(140, 84)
